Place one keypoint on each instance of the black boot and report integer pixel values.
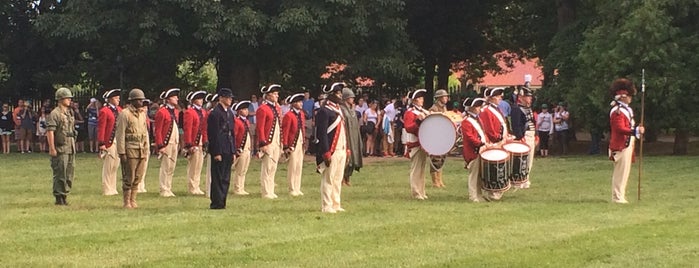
(59, 200)
(64, 201)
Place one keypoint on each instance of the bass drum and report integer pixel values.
(437, 134)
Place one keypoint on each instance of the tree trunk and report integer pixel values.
(681, 142)
(429, 79)
(429, 73)
(566, 12)
(240, 75)
(443, 72)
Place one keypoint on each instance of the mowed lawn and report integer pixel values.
(564, 220)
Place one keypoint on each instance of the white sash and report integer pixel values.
(478, 128)
(501, 119)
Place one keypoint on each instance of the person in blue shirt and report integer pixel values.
(308, 106)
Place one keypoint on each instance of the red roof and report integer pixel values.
(515, 75)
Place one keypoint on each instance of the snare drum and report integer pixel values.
(493, 173)
(519, 161)
(437, 134)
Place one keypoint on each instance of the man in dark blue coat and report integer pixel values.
(221, 148)
(332, 153)
(524, 130)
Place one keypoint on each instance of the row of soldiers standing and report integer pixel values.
(223, 133)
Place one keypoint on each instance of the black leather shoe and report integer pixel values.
(59, 200)
(65, 202)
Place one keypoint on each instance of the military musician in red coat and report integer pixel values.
(418, 157)
(293, 133)
(474, 142)
(167, 138)
(493, 121)
(106, 129)
(269, 121)
(244, 144)
(195, 139)
(622, 137)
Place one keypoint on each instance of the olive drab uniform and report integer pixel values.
(62, 123)
(132, 141)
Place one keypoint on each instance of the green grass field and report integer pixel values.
(564, 220)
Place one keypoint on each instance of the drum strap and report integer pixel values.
(498, 114)
(478, 128)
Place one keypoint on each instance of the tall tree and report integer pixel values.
(620, 40)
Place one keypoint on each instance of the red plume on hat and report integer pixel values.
(622, 86)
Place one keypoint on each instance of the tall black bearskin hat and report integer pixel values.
(622, 86)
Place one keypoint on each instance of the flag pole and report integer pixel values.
(643, 114)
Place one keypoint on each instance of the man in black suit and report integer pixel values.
(221, 148)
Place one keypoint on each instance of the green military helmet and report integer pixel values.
(136, 94)
(63, 93)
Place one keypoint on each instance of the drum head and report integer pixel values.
(494, 155)
(437, 134)
(516, 147)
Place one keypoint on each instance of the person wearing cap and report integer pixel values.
(195, 138)
(133, 146)
(524, 130)
(149, 124)
(560, 125)
(60, 135)
(493, 121)
(418, 157)
(167, 139)
(106, 132)
(441, 98)
(623, 135)
(354, 136)
(544, 126)
(221, 136)
(332, 153)
(269, 140)
(293, 133)
(92, 111)
(244, 145)
(474, 142)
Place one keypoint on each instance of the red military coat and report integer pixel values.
(495, 128)
(290, 128)
(411, 123)
(163, 125)
(265, 117)
(473, 138)
(106, 125)
(621, 122)
(194, 127)
(242, 129)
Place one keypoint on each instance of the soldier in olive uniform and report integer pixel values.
(61, 134)
(133, 146)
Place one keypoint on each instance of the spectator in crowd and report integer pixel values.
(92, 111)
(370, 117)
(361, 105)
(18, 124)
(7, 124)
(79, 127)
(41, 129)
(27, 119)
(389, 128)
(252, 108)
(398, 128)
(560, 121)
(308, 103)
(544, 125)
